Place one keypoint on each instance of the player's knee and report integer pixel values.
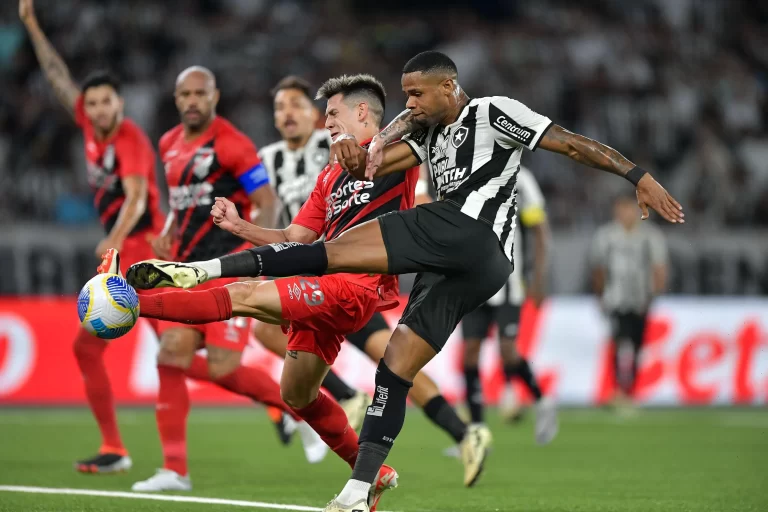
(407, 353)
(242, 294)
(220, 369)
(174, 351)
(509, 351)
(298, 397)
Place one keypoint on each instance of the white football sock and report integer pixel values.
(354, 491)
(211, 267)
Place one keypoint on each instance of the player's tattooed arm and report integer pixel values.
(595, 154)
(401, 125)
(585, 150)
(53, 65)
(385, 157)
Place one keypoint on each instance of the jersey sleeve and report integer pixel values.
(530, 199)
(134, 153)
(312, 213)
(417, 141)
(80, 118)
(515, 123)
(238, 155)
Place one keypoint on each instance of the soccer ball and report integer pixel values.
(108, 306)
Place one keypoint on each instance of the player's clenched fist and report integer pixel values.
(350, 156)
(224, 213)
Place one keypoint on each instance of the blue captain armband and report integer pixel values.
(254, 178)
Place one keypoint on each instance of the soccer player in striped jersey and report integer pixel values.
(292, 162)
(460, 245)
(205, 157)
(504, 310)
(121, 171)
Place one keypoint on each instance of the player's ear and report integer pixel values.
(216, 96)
(448, 86)
(315, 114)
(362, 111)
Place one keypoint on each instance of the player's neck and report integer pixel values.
(191, 134)
(453, 113)
(298, 143)
(366, 133)
(103, 136)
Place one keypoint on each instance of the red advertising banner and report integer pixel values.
(697, 351)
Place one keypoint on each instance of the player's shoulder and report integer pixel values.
(225, 128)
(129, 128)
(169, 137)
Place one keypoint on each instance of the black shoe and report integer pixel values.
(286, 427)
(104, 463)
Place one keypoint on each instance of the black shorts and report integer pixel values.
(459, 261)
(375, 324)
(628, 326)
(506, 316)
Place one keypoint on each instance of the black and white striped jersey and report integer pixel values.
(531, 208)
(294, 173)
(474, 161)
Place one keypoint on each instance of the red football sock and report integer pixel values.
(248, 381)
(171, 413)
(328, 419)
(89, 352)
(201, 307)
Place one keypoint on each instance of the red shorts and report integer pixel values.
(322, 310)
(232, 334)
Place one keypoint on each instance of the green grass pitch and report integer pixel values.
(661, 460)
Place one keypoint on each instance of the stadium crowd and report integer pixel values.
(678, 86)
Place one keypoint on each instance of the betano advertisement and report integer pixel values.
(697, 351)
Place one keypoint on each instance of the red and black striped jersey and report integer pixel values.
(222, 162)
(126, 153)
(339, 202)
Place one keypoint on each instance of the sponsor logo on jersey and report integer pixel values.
(347, 195)
(504, 124)
(190, 196)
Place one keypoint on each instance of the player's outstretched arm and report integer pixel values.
(594, 154)
(53, 65)
(224, 213)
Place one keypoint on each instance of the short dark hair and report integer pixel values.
(352, 85)
(431, 62)
(293, 82)
(99, 78)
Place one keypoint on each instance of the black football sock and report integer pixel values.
(383, 422)
(337, 387)
(277, 260)
(474, 390)
(444, 416)
(523, 370)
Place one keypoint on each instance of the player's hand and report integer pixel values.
(350, 156)
(161, 245)
(26, 10)
(651, 194)
(375, 157)
(105, 244)
(224, 213)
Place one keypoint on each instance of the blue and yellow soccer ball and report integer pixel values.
(108, 306)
